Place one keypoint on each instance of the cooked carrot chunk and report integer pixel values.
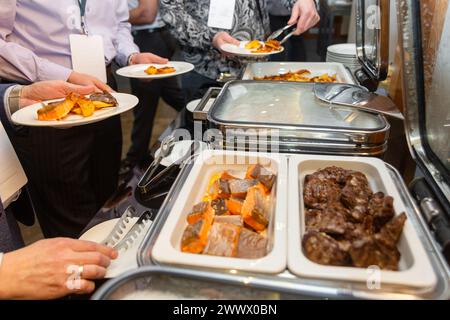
(197, 212)
(254, 209)
(235, 205)
(195, 236)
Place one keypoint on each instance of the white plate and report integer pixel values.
(194, 103)
(28, 116)
(241, 51)
(127, 259)
(180, 148)
(262, 69)
(138, 70)
(343, 49)
(167, 247)
(415, 269)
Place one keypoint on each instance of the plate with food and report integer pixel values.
(254, 48)
(349, 223)
(155, 71)
(302, 75)
(231, 215)
(298, 71)
(75, 110)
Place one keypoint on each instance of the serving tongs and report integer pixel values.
(119, 238)
(118, 231)
(138, 227)
(354, 96)
(281, 31)
(165, 150)
(195, 145)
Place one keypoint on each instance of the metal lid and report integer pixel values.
(427, 114)
(372, 37)
(286, 104)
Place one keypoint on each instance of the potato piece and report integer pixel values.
(86, 106)
(101, 105)
(255, 44)
(57, 111)
(76, 110)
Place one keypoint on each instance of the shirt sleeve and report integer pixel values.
(185, 28)
(123, 43)
(19, 63)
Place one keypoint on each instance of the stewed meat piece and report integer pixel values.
(368, 252)
(356, 194)
(323, 249)
(318, 192)
(333, 173)
(346, 224)
(329, 221)
(381, 208)
(390, 234)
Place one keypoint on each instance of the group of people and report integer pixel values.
(72, 172)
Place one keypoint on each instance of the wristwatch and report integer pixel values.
(14, 98)
(131, 57)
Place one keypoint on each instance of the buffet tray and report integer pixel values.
(210, 162)
(415, 269)
(262, 69)
(302, 287)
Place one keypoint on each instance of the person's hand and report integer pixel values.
(87, 80)
(48, 269)
(304, 13)
(46, 90)
(146, 58)
(222, 38)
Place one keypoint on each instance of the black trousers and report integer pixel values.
(71, 172)
(294, 47)
(160, 43)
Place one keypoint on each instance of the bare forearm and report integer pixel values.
(145, 13)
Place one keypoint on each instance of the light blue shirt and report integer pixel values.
(157, 24)
(34, 36)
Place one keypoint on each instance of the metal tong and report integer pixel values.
(130, 237)
(119, 229)
(165, 150)
(118, 238)
(279, 32)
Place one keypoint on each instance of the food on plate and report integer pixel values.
(76, 104)
(346, 224)
(233, 217)
(152, 70)
(299, 76)
(269, 46)
(58, 110)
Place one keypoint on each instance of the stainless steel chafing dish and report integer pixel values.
(253, 111)
(427, 131)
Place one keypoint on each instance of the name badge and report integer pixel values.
(221, 14)
(88, 55)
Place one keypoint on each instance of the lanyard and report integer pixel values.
(261, 16)
(82, 4)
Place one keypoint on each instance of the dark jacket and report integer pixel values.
(10, 237)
